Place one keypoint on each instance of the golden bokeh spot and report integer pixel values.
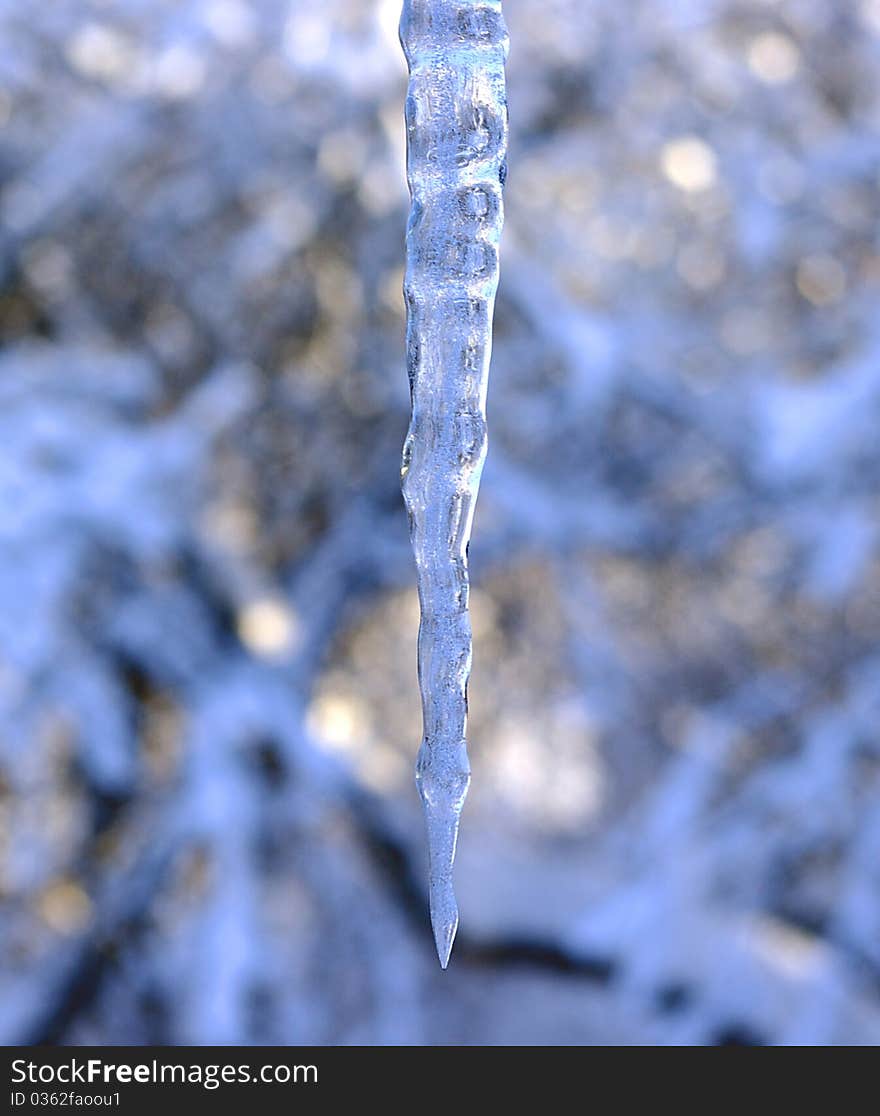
(689, 163)
(65, 907)
(773, 58)
(268, 627)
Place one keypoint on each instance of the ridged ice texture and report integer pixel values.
(456, 118)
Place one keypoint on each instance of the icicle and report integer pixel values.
(456, 116)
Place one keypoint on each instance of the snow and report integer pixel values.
(208, 701)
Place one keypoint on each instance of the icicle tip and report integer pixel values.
(444, 921)
(442, 777)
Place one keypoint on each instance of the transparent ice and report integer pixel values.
(456, 117)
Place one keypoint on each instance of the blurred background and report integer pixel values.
(209, 830)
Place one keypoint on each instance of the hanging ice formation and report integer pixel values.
(456, 120)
